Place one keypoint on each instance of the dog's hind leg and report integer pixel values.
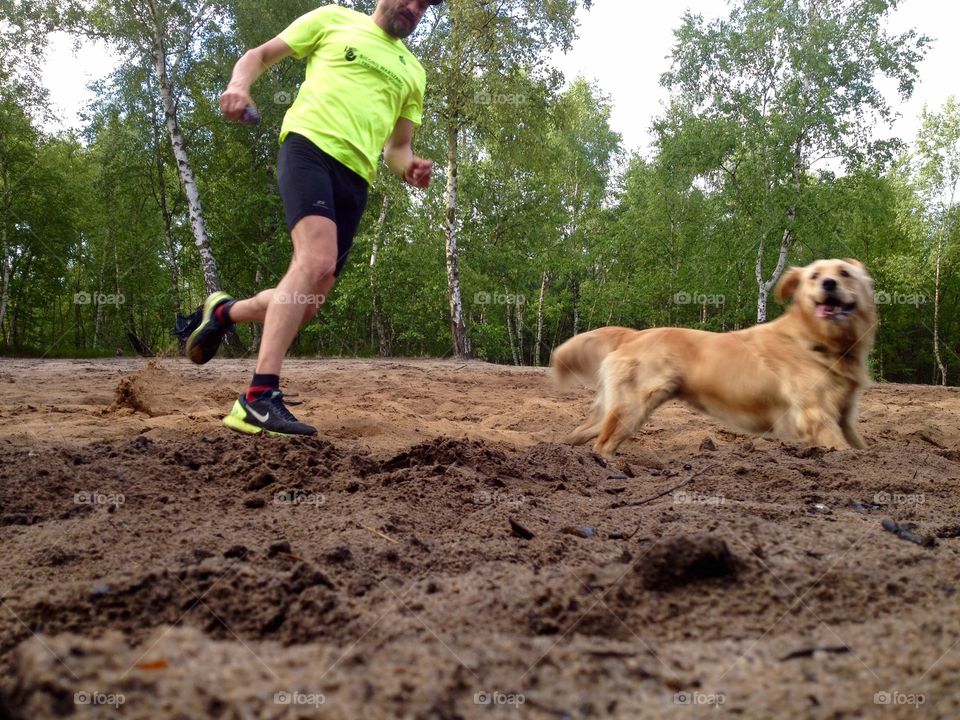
(625, 417)
(588, 430)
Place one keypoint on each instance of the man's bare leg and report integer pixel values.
(306, 284)
(254, 309)
(284, 309)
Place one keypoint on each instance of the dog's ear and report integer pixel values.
(788, 284)
(856, 263)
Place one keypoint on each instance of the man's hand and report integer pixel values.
(418, 173)
(398, 154)
(234, 100)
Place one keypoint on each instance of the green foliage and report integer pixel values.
(547, 200)
(763, 98)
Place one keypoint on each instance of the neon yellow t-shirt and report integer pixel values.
(359, 82)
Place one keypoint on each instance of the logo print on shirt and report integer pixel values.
(402, 59)
(350, 53)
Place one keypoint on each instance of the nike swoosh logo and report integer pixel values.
(258, 416)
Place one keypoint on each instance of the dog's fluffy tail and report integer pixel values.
(578, 360)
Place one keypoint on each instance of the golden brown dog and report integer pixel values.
(798, 377)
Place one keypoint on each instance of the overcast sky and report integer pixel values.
(623, 46)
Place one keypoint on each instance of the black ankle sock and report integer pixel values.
(222, 312)
(262, 384)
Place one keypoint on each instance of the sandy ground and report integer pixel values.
(436, 552)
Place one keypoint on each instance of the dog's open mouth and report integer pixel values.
(835, 309)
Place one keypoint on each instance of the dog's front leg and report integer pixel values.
(848, 424)
(832, 437)
(852, 435)
(818, 429)
(616, 426)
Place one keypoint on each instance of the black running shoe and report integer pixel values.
(205, 340)
(265, 414)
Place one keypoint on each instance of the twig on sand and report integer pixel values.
(669, 490)
(377, 532)
(811, 651)
(637, 503)
(559, 713)
(519, 530)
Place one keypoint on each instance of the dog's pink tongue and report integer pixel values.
(823, 311)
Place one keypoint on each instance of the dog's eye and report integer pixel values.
(844, 273)
(815, 276)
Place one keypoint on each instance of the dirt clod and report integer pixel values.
(683, 560)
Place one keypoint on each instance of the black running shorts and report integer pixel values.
(313, 183)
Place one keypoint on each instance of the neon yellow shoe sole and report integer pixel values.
(198, 348)
(236, 420)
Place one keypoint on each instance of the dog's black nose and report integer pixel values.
(829, 284)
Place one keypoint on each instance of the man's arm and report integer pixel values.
(398, 154)
(236, 98)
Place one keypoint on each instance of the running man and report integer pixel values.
(363, 92)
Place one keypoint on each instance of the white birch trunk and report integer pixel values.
(944, 234)
(936, 315)
(374, 286)
(461, 342)
(255, 330)
(519, 329)
(786, 241)
(513, 346)
(211, 275)
(98, 315)
(539, 343)
(168, 237)
(763, 286)
(5, 259)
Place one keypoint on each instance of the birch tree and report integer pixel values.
(938, 175)
(471, 49)
(17, 156)
(794, 85)
(586, 150)
(161, 34)
(22, 101)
